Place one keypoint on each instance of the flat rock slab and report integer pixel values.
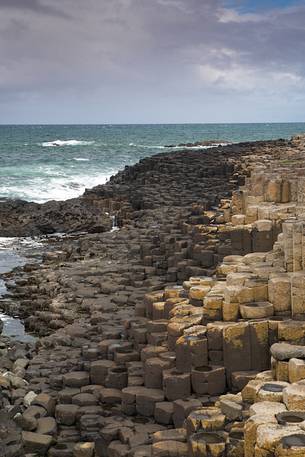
(286, 351)
(36, 442)
(76, 379)
(169, 449)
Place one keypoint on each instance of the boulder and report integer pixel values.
(36, 443)
(286, 351)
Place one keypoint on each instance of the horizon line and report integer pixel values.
(146, 123)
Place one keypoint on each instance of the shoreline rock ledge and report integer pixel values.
(182, 334)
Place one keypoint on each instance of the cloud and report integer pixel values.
(226, 16)
(35, 6)
(246, 78)
(103, 52)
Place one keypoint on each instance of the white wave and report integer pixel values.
(61, 143)
(52, 171)
(43, 189)
(146, 146)
(81, 159)
(215, 145)
(10, 243)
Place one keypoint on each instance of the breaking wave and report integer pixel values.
(200, 146)
(146, 146)
(45, 188)
(62, 143)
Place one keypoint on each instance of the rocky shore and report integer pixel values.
(180, 332)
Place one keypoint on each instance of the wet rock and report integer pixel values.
(76, 379)
(66, 414)
(20, 218)
(46, 426)
(46, 402)
(28, 420)
(36, 443)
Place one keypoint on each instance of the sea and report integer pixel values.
(57, 162)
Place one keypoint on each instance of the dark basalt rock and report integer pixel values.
(21, 218)
(10, 443)
(175, 179)
(88, 302)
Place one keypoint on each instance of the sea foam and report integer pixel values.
(200, 146)
(61, 143)
(40, 190)
(146, 146)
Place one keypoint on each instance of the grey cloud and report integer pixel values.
(154, 49)
(33, 5)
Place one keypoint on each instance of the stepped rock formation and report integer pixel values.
(183, 333)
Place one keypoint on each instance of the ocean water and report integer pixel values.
(14, 253)
(48, 162)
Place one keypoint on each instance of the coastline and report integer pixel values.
(87, 155)
(101, 303)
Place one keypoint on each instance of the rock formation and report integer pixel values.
(183, 333)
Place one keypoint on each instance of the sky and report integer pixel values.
(152, 61)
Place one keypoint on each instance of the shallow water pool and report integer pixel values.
(10, 258)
